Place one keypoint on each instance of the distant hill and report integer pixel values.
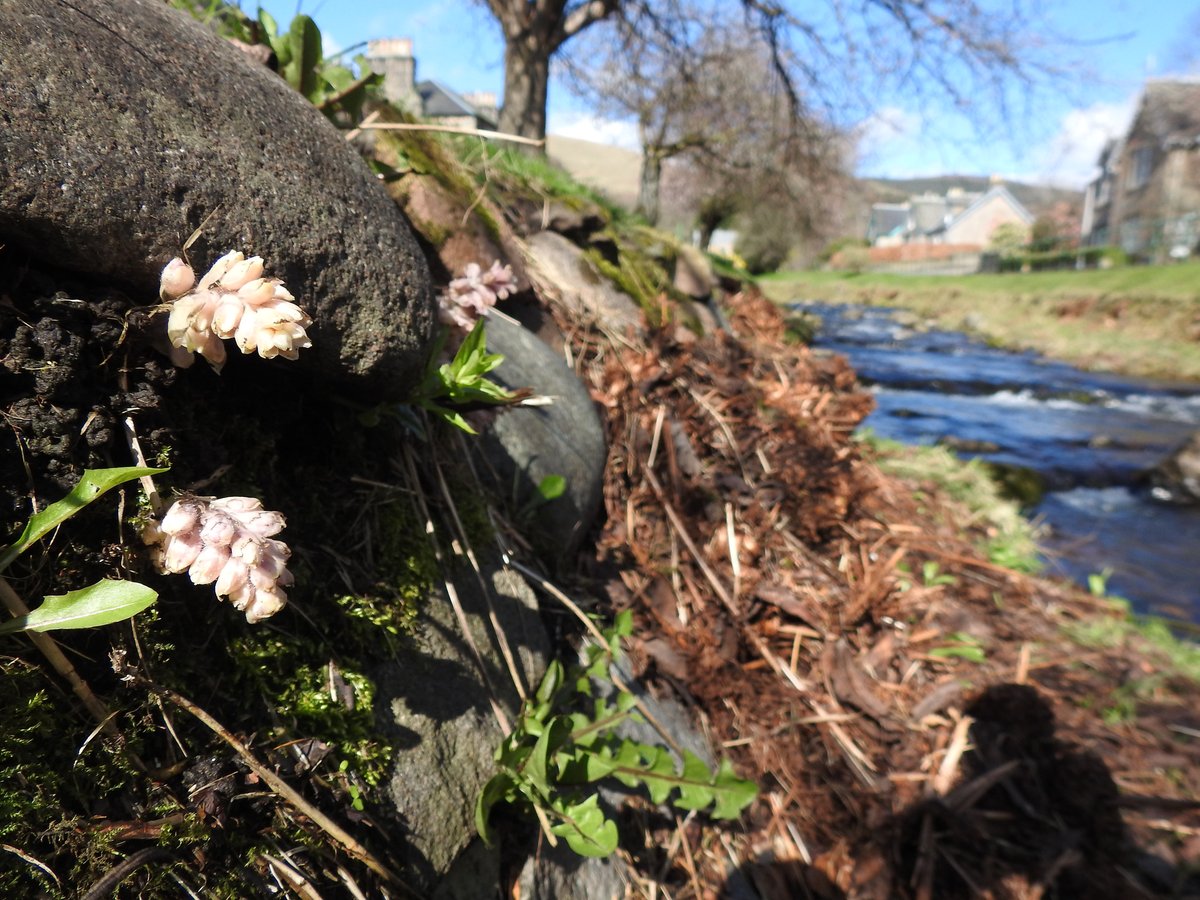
(1038, 199)
(613, 171)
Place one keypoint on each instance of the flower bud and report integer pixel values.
(218, 529)
(242, 273)
(264, 523)
(234, 577)
(265, 604)
(208, 564)
(257, 292)
(237, 505)
(181, 552)
(227, 316)
(184, 515)
(246, 336)
(219, 268)
(176, 280)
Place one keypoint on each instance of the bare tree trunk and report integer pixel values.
(526, 79)
(647, 204)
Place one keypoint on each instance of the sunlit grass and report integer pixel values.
(1140, 320)
(1009, 539)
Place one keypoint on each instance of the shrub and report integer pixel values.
(765, 240)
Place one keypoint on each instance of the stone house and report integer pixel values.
(429, 100)
(1146, 197)
(958, 217)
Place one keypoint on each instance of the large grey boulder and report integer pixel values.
(525, 444)
(435, 706)
(125, 125)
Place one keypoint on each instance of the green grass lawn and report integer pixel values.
(1140, 320)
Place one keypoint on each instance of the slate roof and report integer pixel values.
(438, 101)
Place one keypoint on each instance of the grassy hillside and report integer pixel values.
(1141, 320)
(613, 171)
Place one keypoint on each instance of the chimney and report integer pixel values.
(393, 59)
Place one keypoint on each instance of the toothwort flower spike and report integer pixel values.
(232, 300)
(473, 294)
(227, 541)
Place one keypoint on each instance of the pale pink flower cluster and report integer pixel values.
(474, 293)
(232, 300)
(227, 541)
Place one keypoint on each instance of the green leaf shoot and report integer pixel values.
(92, 484)
(103, 603)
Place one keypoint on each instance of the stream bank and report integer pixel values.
(1087, 437)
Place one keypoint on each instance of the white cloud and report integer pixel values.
(1069, 157)
(888, 124)
(889, 144)
(588, 127)
(331, 47)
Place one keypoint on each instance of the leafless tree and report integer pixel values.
(836, 54)
(534, 30)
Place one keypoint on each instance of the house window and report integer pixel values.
(1139, 171)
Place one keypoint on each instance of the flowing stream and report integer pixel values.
(1088, 435)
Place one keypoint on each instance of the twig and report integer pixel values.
(122, 870)
(279, 786)
(423, 508)
(344, 92)
(474, 132)
(292, 876)
(58, 660)
(735, 563)
(514, 671)
(705, 568)
(365, 123)
(958, 743)
(33, 861)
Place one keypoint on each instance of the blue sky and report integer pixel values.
(1121, 43)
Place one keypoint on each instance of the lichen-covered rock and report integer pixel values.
(561, 270)
(526, 444)
(435, 707)
(125, 125)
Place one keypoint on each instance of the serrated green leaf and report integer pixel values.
(102, 603)
(92, 484)
(694, 783)
(698, 787)
(599, 764)
(623, 623)
(587, 830)
(734, 794)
